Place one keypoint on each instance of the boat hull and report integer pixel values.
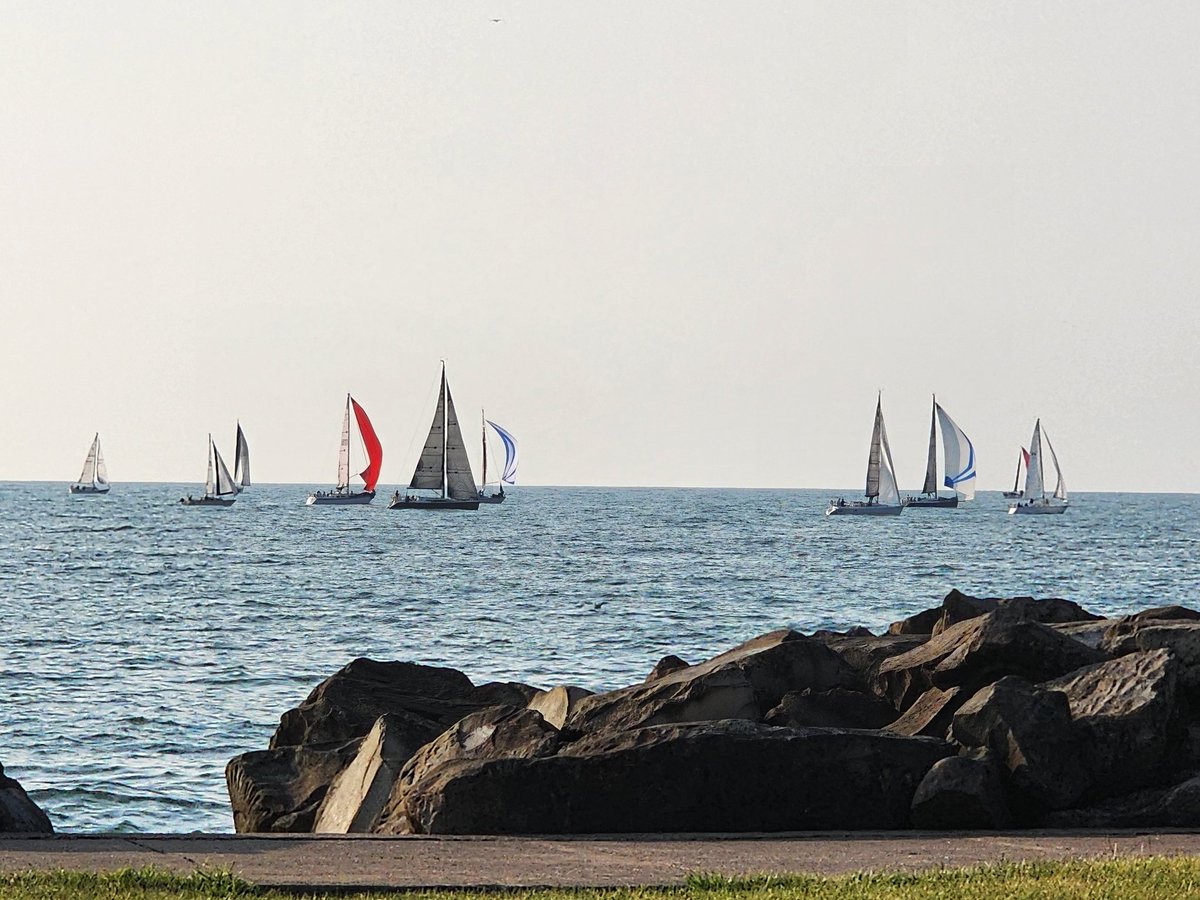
(433, 503)
(491, 498)
(932, 502)
(1037, 508)
(1013, 495)
(856, 508)
(206, 501)
(346, 499)
(87, 489)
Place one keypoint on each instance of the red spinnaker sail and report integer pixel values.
(374, 449)
(1025, 453)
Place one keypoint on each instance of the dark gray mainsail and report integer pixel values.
(931, 481)
(443, 464)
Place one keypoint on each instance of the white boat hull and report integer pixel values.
(343, 499)
(857, 508)
(1037, 508)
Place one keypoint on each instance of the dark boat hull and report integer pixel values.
(87, 489)
(205, 501)
(1013, 495)
(491, 498)
(436, 503)
(932, 502)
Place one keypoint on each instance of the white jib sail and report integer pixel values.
(225, 483)
(101, 468)
(1060, 487)
(343, 479)
(1034, 485)
(88, 475)
(210, 482)
(960, 457)
(889, 493)
(241, 462)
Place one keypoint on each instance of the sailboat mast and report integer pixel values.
(444, 423)
(1017, 476)
(483, 430)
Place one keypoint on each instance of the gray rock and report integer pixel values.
(961, 792)
(958, 607)
(835, 708)
(666, 666)
(1123, 712)
(19, 814)
(281, 790)
(1030, 732)
(1182, 638)
(865, 653)
(731, 776)
(932, 714)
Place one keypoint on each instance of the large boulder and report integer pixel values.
(976, 652)
(346, 705)
(1123, 711)
(17, 812)
(958, 607)
(665, 666)
(932, 714)
(746, 682)
(1029, 730)
(731, 776)
(357, 794)
(1181, 637)
(834, 708)
(499, 732)
(1177, 806)
(866, 653)
(282, 789)
(961, 792)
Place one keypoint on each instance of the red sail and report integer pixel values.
(374, 449)
(1025, 453)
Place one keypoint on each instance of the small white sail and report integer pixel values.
(1034, 486)
(509, 476)
(960, 456)
(889, 493)
(1060, 487)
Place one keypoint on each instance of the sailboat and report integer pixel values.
(443, 465)
(883, 497)
(1016, 493)
(219, 487)
(343, 493)
(509, 473)
(1035, 501)
(960, 464)
(241, 461)
(94, 477)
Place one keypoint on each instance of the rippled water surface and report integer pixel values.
(144, 643)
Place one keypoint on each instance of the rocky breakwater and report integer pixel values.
(981, 713)
(18, 813)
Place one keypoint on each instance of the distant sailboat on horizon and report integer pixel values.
(1035, 501)
(509, 474)
(241, 461)
(94, 477)
(959, 454)
(343, 494)
(443, 465)
(219, 486)
(883, 496)
(1016, 493)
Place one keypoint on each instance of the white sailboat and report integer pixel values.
(443, 465)
(509, 474)
(344, 494)
(219, 486)
(883, 497)
(960, 464)
(241, 461)
(94, 477)
(1035, 501)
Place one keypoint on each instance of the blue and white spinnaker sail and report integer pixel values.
(960, 457)
(509, 475)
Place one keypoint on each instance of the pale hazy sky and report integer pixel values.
(664, 243)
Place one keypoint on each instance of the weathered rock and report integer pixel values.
(499, 732)
(744, 683)
(932, 714)
(835, 708)
(1123, 711)
(666, 666)
(1180, 637)
(1090, 634)
(281, 789)
(1030, 731)
(961, 792)
(958, 607)
(865, 654)
(1173, 807)
(1164, 614)
(919, 623)
(708, 777)
(980, 650)
(556, 704)
(19, 814)
(346, 705)
(358, 793)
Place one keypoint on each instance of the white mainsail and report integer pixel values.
(88, 475)
(960, 456)
(1060, 487)
(101, 468)
(210, 481)
(343, 477)
(1034, 486)
(872, 486)
(225, 484)
(241, 461)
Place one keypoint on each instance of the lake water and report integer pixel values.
(144, 644)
